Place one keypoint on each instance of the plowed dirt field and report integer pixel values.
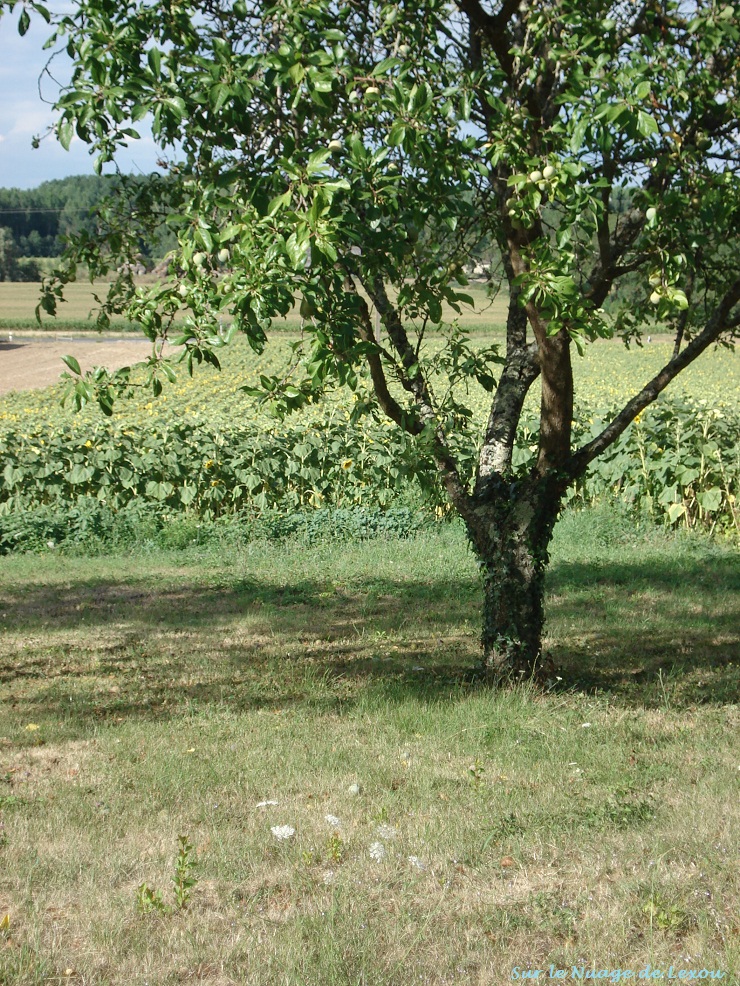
(28, 364)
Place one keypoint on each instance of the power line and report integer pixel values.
(24, 212)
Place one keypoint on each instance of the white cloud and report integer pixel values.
(23, 114)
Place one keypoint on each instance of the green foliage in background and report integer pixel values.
(40, 220)
(679, 463)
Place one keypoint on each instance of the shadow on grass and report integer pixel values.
(663, 630)
(648, 632)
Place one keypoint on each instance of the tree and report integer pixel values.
(7, 254)
(352, 154)
(11, 267)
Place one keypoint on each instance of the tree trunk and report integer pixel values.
(513, 553)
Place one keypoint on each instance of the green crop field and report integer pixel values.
(604, 376)
(18, 305)
(206, 446)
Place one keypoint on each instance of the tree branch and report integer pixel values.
(554, 359)
(719, 322)
(683, 318)
(520, 371)
(389, 405)
(412, 379)
(605, 270)
(493, 28)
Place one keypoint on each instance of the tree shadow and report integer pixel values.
(97, 649)
(103, 649)
(649, 632)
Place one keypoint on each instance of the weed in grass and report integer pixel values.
(334, 848)
(8, 801)
(664, 914)
(183, 879)
(308, 857)
(148, 900)
(622, 809)
(506, 828)
(475, 773)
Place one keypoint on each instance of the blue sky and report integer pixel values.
(23, 114)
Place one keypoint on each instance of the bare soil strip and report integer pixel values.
(29, 364)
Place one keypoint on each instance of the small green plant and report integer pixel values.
(148, 899)
(183, 879)
(475, 773)
(505, 828)
(664, 915)
(335, 848)
(663, 690)
(623, 809)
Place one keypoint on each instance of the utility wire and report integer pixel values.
(23, 212)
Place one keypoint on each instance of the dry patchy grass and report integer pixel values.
(177, 693)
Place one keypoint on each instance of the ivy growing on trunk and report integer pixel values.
(350, 155)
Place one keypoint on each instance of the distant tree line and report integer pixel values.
(35, 223)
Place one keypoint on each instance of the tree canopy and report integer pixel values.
(350, 155)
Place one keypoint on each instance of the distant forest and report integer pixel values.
(35, 222)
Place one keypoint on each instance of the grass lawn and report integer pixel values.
(443, 833)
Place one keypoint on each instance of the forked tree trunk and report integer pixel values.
(514, 557)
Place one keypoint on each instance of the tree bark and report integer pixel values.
(518, 520)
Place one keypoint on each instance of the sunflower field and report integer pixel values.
(205, 450)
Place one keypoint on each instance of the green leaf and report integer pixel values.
(176, 104)
(72, 363)
(398, 132)
(12, 475)
(80, 474)
(710, 500)
(65, 132)
(154, 57)
(278, 202)
(642, 89)
(435, 310)
(219, 95)
(204, 235)
(383, 67)
(297, 248)
(676, 510)
(317, 160)
(646, 124)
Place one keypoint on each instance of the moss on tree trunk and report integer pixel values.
(514, 556)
